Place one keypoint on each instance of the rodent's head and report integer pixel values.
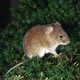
(56, 34)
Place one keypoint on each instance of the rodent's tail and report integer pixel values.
(13, 68)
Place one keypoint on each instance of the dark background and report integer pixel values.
(5, 15)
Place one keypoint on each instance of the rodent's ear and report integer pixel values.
(49, 29)
(57, 23)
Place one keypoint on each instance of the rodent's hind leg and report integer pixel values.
(41, 53)
(29, 56)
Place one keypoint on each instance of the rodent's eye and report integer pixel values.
(61, 36)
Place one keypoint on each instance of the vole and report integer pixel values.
(43, 39)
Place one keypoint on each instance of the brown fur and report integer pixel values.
(36, 38)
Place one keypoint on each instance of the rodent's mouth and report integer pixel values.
(67, 42)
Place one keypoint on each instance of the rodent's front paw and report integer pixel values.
(56, 55)
(60, 54)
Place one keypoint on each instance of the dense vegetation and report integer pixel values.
(32, 12)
